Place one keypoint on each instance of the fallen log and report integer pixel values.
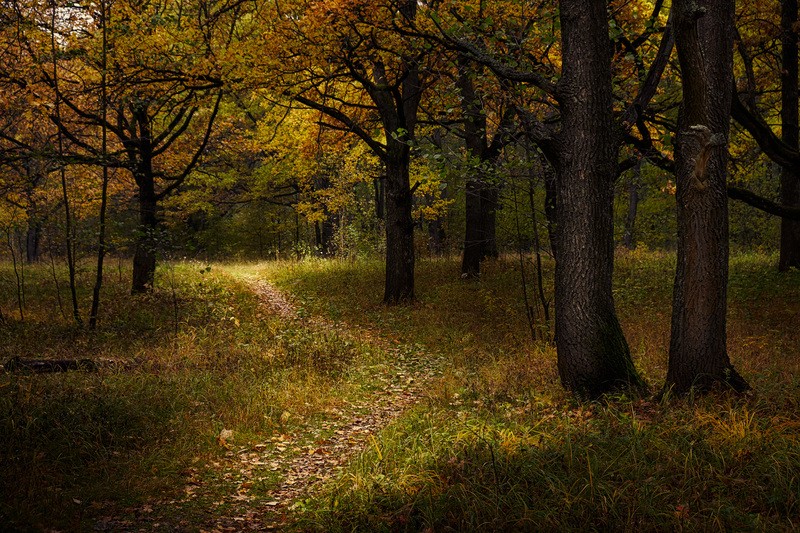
(42, 366)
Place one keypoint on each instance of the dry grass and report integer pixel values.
(497, 445)
(197, 356)
(501, 447)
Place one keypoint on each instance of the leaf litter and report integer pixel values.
(266, 479)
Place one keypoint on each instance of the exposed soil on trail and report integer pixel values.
(321, 459)
(265, 480)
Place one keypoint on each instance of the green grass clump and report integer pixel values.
(550, 466)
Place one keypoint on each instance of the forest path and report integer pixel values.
(320, 451)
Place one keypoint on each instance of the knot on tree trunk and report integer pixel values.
(707, 142)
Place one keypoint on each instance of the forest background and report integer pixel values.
(524, 140)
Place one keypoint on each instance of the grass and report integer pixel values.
(195, 357)
(497, 445)
(500, 446)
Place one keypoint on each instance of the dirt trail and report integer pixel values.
(315, 459)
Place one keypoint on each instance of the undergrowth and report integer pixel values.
(176, 367)
(496, 445)
(500, 447)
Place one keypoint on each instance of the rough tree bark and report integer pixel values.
(593, 356)
(399, 283)
(790, 178)
(141, 154)
(698, 357)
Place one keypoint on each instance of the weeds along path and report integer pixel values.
(322, 451)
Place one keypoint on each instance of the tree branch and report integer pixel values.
(763, 204)
(336, 114)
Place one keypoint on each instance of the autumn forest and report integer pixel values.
(349, 265)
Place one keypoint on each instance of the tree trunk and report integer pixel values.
(32, 239)
(593, 356)
(475, 143)
(551, 205)
(490, 195)
(324, 235)
(698, 356)
(144, 259)
(790, 178)
(324, 229)
(399, 287)
(436, 236)
(473, 231)
(380, 197)
(633, 203)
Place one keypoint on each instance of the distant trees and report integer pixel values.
(752, 103)
(153, 99)
(373, 74)
(575, 79)
(483, 153)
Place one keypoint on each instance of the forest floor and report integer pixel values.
(320, 451)
(286, 396)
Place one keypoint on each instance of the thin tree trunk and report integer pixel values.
(551, 206)
(19, 279)
(698, 356)
(537, 250)
(101, 233)
(593, 356)
(323, 235)
(436, 234)
(628, 239)
(56, 283)
(70, 237)
(490, 194)
(790, 178)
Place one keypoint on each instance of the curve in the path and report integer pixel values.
(316, 461)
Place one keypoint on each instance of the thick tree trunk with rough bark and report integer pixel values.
(698, 357)
(593, 356)
(790, 176)
(399, 286)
